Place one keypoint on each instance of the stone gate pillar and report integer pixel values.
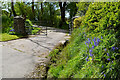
(19, 25)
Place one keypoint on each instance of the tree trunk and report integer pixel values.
(51, 14)
(63, 16)
(12, 7)
(62, 9)
(33, 9)
(41, 10)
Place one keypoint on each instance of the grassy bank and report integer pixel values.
(93, 51)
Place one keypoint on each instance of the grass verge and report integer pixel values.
(7, 37)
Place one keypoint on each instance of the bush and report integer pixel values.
(6, 23)
(77, 22)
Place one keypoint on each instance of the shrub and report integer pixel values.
(6, 23)
(77, 22)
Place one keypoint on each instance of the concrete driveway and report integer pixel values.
(20, 56)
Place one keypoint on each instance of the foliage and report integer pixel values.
(28, 23)
(72, 9)
(93, 51)
(32, 30)
(23, 9)
(82, 7)
(77, 21)
(6, 23)
(35, 30)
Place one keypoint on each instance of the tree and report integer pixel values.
(12, 7)
(62, 9)
(82, 7)
(33, 8)
(41, 9)
(72, 9)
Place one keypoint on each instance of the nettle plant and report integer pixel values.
(103, 51)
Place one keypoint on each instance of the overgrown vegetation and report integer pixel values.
(93, 51)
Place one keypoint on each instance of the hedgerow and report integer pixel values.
(93, 51)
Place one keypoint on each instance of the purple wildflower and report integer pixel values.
(88, 39)
(108, 59)
(91, 42)
(116, 47)
(95, 43)
(87, 42)
(104, 75)
(12, 30)
(113, 48)
(102, 66)
(91, 54)
(90, 51)
(112, 61)
(101, 37)
(98, 40)
(85, 35)
(87, 58)
(92, 58)
(94, 39)
(92, 47)
(105, 49)
(102, 72)
(107, 54)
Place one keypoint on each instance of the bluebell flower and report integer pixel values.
(108, 59)
(92, 58)
(113, 48)
(91, 54)
(105, 49)
(98, 40)
(102, 66)
(104, 75)
(116, 47)
(95, 43)
(91, 42)
(94, 39)
(107, 54)
(90, 51)
(102, 72)
(88, 39)
(92, 47)
(85, 43)
(101, 37)
(12, 30)
(85, 35)
(87, 58)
